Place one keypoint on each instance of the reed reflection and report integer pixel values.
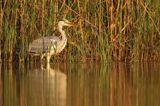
(114, 84)
(33, 87)
(1, 86)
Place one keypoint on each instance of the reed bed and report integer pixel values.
(122, 30)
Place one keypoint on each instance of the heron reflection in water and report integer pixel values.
(50, 45)
(46, 86)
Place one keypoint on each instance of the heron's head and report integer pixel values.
(64, 22)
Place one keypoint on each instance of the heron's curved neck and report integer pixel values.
(63, 41)
(63, 34)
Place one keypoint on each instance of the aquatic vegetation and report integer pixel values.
(122, 30)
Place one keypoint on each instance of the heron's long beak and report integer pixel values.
(68, 24)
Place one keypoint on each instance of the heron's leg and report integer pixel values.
(48, 66)
(42, 56)
(48, 58)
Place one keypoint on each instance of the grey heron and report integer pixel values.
(50, 45)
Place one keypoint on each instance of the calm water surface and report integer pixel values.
(76, 84)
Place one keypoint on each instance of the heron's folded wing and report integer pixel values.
(42, 45)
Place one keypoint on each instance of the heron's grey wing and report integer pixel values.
(42, 45)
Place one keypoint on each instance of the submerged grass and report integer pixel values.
(122, 30)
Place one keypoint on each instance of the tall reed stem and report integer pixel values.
(1, 18)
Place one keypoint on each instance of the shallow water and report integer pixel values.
(76, 84)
